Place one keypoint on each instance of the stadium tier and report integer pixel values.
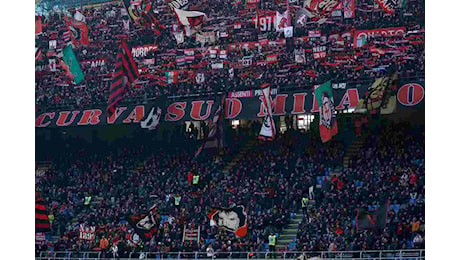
(230, 129)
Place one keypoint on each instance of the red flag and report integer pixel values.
(78, 32)
(38, 25)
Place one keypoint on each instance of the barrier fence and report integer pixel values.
(383, 254)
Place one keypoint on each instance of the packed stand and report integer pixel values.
(390, 166)
(131, 179)
(402, 53)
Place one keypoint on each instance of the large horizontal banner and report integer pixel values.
(361, 36)
(239, 105)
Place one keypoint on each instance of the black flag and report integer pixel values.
(42, 223)
(145, 225)
(214, 140)
(375, 220)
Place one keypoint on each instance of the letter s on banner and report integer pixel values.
(176, 111)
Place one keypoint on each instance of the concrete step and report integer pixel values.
(296, 221)
(292, 226)
(285, 241)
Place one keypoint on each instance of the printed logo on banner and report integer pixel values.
(348, 9)
(339, 85)
(327, 111)
(199, 78)
(314, 34)
(300, 56)
(361, 36)
(179, 4)
(258, 92)
(291, 102)
(95, 62)
(52, 44)
(153, 117)
(247, 61)
(52, 65)
(319, 52)
(142, 51)
(40, 238)
(265, 23)
(87, 233)
(149, 61)
(240, 94)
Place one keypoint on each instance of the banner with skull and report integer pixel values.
(233, 219)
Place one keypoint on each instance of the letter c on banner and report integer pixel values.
(41, 118)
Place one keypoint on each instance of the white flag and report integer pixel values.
(268, 130)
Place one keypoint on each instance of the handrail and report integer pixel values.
(397, 254)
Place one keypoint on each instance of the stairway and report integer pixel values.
(353, 149)
(289, 234)
(239, 156)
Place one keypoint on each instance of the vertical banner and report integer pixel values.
(327, 116)
(268, 130)
(71, 61)
(349, 7)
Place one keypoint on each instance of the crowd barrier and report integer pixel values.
(308, 255)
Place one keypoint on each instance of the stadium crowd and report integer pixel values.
(390, 166)
(270, 180)
(102, 188)
(343, 62)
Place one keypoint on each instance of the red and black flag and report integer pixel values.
(64, 35)
(146, 225)
(78, 32)
(38, 25)
(125, 72)
(141, 13)
(375, 220)
(38, 53)
(42, 223)
(233, 219)
(389, 6)
(214, 140)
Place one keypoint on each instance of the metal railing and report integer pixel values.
(414, 254)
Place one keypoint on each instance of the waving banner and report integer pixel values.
(268, 129)
(388, 6)
(246, 104)
(190, 18)
(327, 117)
(231, 219)
(145, 225)
(321, 8)
(349, 8)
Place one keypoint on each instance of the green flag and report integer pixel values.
(327, 117)
(72, 63)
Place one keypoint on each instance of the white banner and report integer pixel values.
(268, 130)
(87, 233)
